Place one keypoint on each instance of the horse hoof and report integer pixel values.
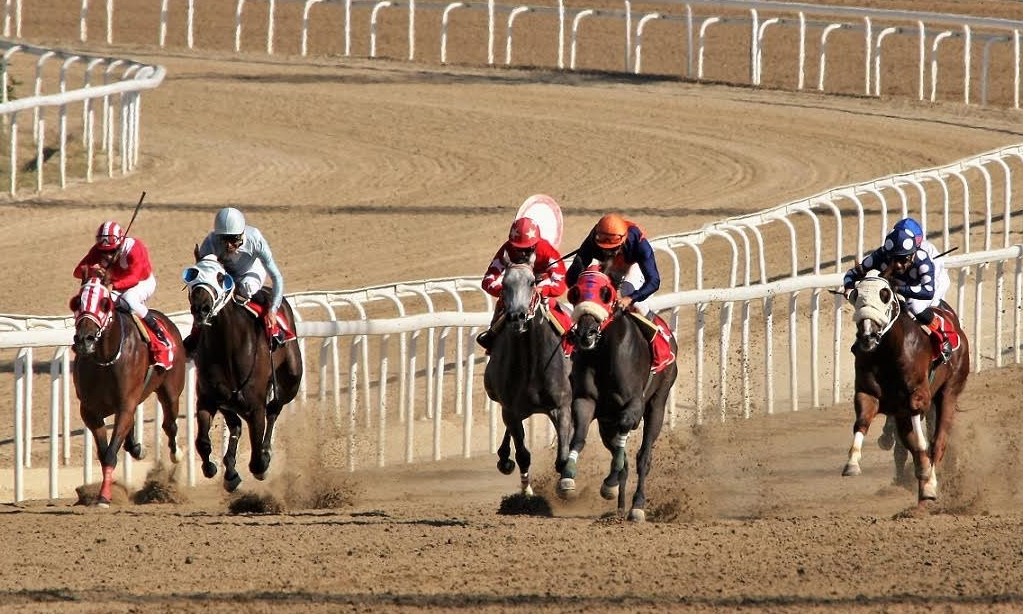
(566, 488)
(231, 485)
(851, 470)
(637, 515)
(609, 492)
(259, 476)
(177, 456)
(138, 452)
(527, 491)
(209, 469)
(506, 466)
(928, 494)
(103, 503)
(886, 442)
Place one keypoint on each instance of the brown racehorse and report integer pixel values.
(896, 376)
(236, 370)
(112, 373)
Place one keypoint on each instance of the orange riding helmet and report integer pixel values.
(610, 231)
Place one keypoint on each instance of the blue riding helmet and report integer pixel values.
(905, 237)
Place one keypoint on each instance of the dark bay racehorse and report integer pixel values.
(895, 376)
(237, 373)
(528, 372)
(612, 382)
(113, 373)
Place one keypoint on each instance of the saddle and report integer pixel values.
(944, 316)
(658, 334)
(258, 306)
(160, 354)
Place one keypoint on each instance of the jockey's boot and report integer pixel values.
(487, 337)
(275, 334)
(160, 355)
(191, 341)
(944, 345)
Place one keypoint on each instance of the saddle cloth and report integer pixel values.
(257, 309)
(159, 354)
(944, 318)
(659, 335)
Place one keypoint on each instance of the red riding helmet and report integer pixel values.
(109, 236)
(610, 231)
(524, 233)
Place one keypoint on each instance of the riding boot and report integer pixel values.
(944, 345)
(157, 333)
(487, 337)
(191, 341)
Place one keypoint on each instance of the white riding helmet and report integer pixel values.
(229, 221)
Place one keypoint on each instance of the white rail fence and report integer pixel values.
(396, 369)
(70, 89)
(939, 53)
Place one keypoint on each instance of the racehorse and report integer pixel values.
(612, 382)
(896, 375)
(113, 374)
(528, 372)
(237, 372)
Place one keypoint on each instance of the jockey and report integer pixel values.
(247, 258)
(918, 275)
(633, 268)
(124, 263)
(627, 257)
(524, 246)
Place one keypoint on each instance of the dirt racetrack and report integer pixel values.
(370, 172)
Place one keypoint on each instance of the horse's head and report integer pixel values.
(519, 295)
(209, 288)
(93, 307)
(593, 297)
(877, 308)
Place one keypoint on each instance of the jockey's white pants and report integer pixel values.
(136, 296)
(941, 285)
(633, 279)
(248, 283)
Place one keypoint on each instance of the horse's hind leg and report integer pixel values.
(234, 430)
(169, 405)
(522, 455)
(944, 412)
(259, 461)
(652, 423)
(204, 418)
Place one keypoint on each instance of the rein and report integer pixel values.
(120, 345)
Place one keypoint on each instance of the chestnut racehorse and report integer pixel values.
(528, 372)
(113, 373)
(896, 375)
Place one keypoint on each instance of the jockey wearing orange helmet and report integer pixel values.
(524, 246)
(124, 263)
(629, 257)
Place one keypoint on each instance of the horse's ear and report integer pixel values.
(105, 305)
(75, 303)
(605, 294)
(573, 295)
(853, 295)
(190, 274)
(195, 252)
(886, 295)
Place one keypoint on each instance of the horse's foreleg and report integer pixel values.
(652, 423)
(258, 462)
(866, 409)
(234, 431)
(98, 428)
(912, 430)
(124, 424)
(504, 461)
(522, 456)
(583, 409)
(203, 418)
(615, 442)
(562, 419)
(273, 411)
(945, 405)
(169, 405)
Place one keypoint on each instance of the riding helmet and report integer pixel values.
(109, 236)
(905, 237)
(229, 221)
(523, 233)
(610, 231)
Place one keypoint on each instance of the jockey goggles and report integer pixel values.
(233, 239)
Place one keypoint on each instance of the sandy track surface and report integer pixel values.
(363, 173)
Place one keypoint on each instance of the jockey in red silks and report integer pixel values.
(524, 246)
(124, 263)
(628, 259)
(245, 254)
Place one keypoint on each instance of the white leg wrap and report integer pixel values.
(918, 431)
(621, 440)
(573, 455)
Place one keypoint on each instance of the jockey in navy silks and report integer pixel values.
(918, 275)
